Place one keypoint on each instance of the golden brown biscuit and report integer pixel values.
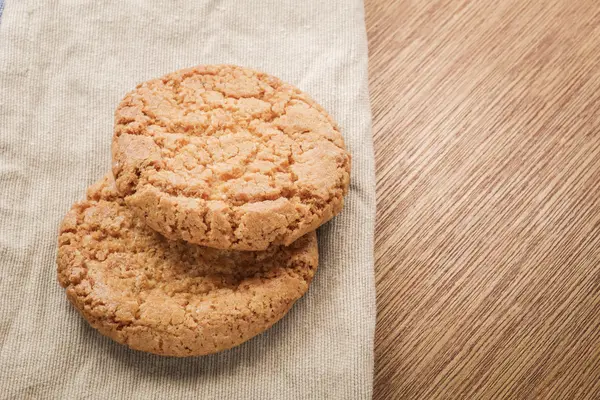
(171, 297)
(229, 158)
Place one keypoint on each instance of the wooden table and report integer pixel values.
(487, 137)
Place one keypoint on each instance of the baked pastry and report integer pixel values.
(171, 297)
(229, 158)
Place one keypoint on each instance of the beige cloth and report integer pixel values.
(64, 65)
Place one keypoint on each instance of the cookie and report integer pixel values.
(229, 158)
(171, 297)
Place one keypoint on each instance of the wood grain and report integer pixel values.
(487, 138)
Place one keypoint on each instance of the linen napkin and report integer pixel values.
(64, 65)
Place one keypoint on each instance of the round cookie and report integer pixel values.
(171, 297)
(229, 158)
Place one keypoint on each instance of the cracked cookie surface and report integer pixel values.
(171, 297)
(229, 158)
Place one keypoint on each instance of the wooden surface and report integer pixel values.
(487, 139)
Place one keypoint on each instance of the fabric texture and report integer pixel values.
(64, 65)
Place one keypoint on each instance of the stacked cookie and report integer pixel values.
(203, 235)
